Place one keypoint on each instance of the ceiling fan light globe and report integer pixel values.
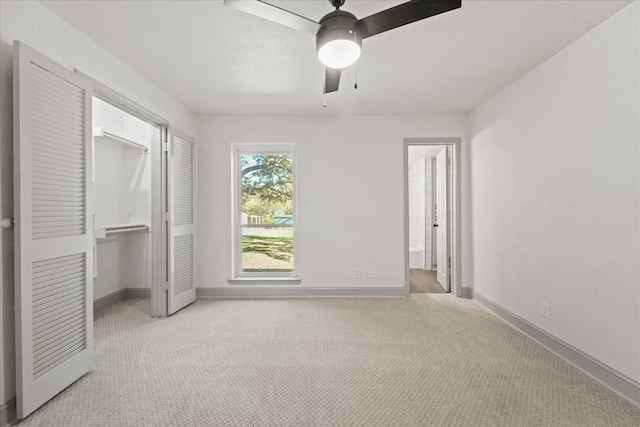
(339, 53)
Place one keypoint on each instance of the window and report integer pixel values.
(264, 210)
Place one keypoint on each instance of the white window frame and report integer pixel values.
(236, 191)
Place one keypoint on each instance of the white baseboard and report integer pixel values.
(466, 293)
(261, 292)
(8, 413)
(257, 292)
(609, 377)
(107, 300)
(137, 293)
(116, 296)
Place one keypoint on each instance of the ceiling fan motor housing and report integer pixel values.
(337, 25)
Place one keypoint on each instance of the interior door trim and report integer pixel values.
(456, 226)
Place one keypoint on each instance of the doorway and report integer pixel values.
(123, 187)
(431, 216)
(154, 232)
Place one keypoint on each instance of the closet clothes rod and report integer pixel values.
(125, 229)
(125, 141)
(101, 133)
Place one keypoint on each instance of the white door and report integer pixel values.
(54, 228)
(181, 235)
(442, 273)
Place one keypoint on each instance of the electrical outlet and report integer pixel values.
(546, 310)
(356, 273)
(372, 273)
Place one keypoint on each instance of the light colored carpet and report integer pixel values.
(424, 282)
(426, 360)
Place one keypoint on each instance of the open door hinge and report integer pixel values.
(165, 216)
(165, 147)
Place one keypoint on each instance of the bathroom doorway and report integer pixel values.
(429, 215)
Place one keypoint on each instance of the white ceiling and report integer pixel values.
(217, 60)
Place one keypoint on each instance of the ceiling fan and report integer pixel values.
(339, 34)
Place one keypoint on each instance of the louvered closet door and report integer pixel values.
(54, 288)
(182, 289)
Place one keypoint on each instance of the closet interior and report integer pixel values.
(122, 179)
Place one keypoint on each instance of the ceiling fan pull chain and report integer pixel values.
(355, 41)
(324, 92)
(356, 85)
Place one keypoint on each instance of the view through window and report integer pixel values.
(266, 223)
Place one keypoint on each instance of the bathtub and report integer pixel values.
(416, 258)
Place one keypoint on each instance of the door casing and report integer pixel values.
(158, 188)
(455, 238)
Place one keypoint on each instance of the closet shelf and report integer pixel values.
(103, 231)
(99, 133)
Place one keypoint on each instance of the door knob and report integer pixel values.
(7, 222)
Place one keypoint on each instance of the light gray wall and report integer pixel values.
(122, 196)
(350, 192)
(38, 27)
(420, 180)
(417, 204)
(428, 213)
(556, 194)
(35, 25)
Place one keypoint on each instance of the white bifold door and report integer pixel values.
(181, 220)
(54, 228)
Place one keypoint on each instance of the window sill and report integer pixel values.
(265, 281)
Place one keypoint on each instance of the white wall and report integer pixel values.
(350, 192)
(417, 204)
(40, 29)
(122, 196)
(428, 213)
(556, 192)
(420, 181)
(45, 32)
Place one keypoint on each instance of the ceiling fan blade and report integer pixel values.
(331, 79)
(275, 14)
(406, 13)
